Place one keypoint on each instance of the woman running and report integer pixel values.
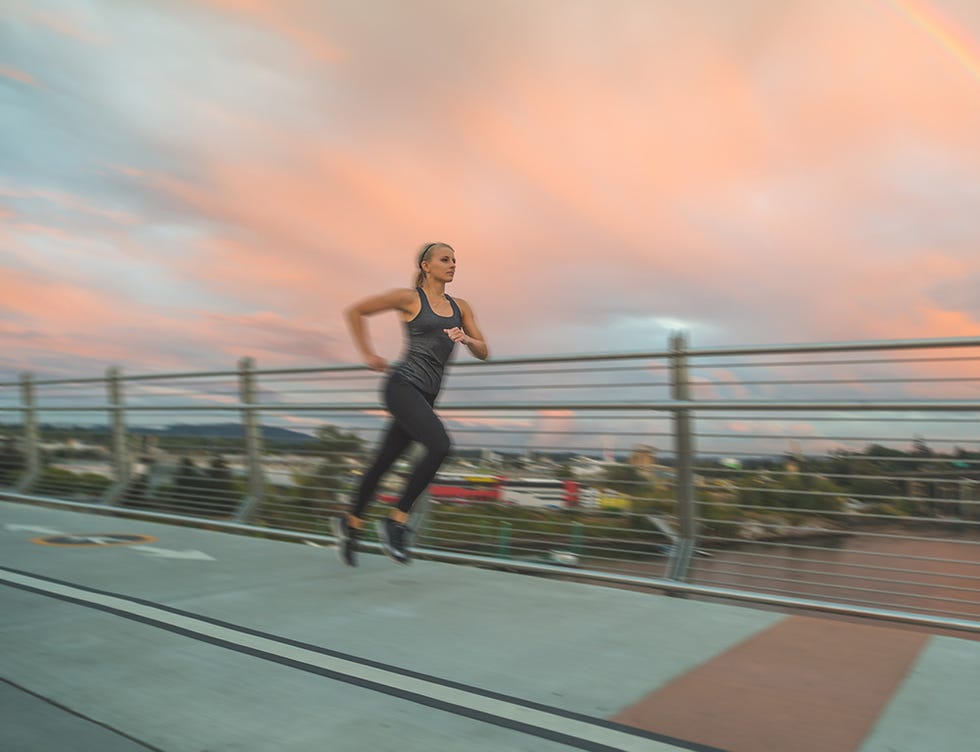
(434, 323)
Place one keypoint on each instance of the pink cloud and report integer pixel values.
(48, 315)
(271, 338)
(66, 25)
(52, 303)
(284, 20)
(70, 201)
(20, 76)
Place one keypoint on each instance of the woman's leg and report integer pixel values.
(393, 444)
(346, 528)
(413, 412)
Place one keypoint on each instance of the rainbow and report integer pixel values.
(944, 30)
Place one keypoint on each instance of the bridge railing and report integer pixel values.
(841, 473)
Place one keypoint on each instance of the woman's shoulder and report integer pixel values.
(403, 294)
(401, 298)
(406, 297)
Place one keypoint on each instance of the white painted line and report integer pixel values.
(32, 529)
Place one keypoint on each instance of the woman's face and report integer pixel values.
(441, 264)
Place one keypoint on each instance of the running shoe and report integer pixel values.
(394, 540)
(346, 540)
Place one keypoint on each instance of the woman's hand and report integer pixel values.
(376, 363)
(456, 334)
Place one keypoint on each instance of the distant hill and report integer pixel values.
(177, 430)
(223, 431)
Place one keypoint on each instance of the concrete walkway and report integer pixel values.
(126, 635)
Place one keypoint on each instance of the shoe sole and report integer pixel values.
(339, 548)
(386, 546)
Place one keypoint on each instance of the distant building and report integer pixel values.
(644, 458)
(609, 500)
(587, 467)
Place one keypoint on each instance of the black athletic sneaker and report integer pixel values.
(346, 540)
(394, 540)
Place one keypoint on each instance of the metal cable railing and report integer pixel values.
(847, 473)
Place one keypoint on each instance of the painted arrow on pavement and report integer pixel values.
(166, 553)
(159, 553)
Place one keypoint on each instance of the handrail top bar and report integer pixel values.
(134, 377)
(693, 352)
(665, 405)
(189, 375)
(898, 344)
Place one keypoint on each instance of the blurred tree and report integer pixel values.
(186, 485)
(217, 487)
(564, 471)
(11, 461)
(333, 475)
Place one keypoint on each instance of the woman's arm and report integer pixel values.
(469, 334)
(355, 314)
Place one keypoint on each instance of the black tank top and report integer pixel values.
(428, 347)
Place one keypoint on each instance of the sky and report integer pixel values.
(184, 183)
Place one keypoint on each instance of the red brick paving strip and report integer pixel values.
(803, 685)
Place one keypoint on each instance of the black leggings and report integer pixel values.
(413, 419)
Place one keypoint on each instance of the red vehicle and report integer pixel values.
(465, 489)
(524, 492)
(458, 489)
